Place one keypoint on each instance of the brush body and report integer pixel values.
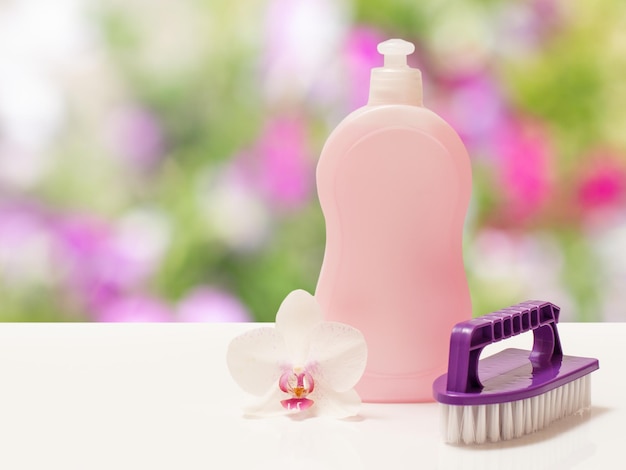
(514, 392)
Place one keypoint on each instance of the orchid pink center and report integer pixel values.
(298, 385)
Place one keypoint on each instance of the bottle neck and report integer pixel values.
(395, 86)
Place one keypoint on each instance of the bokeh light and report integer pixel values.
(157, 158)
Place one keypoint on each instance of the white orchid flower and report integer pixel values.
(303, 363)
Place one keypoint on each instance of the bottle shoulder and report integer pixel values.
(374, 119)
(392, 115)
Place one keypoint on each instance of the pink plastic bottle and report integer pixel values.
(394, 182)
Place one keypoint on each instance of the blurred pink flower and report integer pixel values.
(549, 15)
(285, 174)
(360, 57)
(18, 220)
(82, 257)
(207, 304)
(136, 137)
(602, 182)
(524, 169)
(134, 309)
(97, 264)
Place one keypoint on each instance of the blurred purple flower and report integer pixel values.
(523, 28)
(82, 257)
(136, 136)
(475, 107)
(524, 153)
(97, 261)
(285, 173)
(360, 57)
(135, 309)
(207, 304)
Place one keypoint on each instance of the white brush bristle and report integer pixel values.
(477, 424)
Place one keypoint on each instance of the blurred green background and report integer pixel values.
(157, 158)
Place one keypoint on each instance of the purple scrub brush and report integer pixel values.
(513, 392)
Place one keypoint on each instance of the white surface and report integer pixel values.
(159, 396)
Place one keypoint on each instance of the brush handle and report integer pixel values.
(470, 337)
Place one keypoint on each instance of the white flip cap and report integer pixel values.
(395, 82)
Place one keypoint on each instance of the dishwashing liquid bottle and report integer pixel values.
(394, 183)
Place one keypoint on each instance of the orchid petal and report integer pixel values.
(333, 404)
(303, 366)
(269, 405)
(339, 354)
(297, 316)
(256, 359)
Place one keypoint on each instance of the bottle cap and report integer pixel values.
(395, 82)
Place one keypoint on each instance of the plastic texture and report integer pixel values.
(394, 183)
(395, 82)
(512, 374)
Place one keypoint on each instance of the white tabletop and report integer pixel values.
(159, 396)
